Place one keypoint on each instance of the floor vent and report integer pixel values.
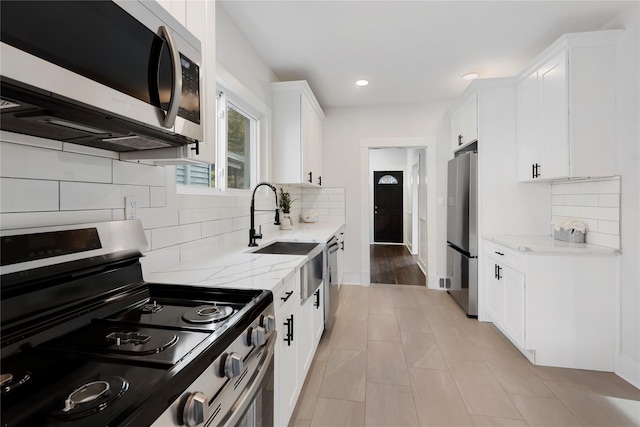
(445, 283)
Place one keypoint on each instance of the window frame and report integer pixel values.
(247, 103)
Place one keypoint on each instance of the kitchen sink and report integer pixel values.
(312, 272)
(287, 248)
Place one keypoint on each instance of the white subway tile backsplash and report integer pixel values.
(609, 227)
(609, 214)
(610, 186)
(24, 195)
(45, 219)
(138, 174)
(91, 151)
(601, 239)
(215, 228)
(169, 236)
(609, 200)
(595, 202)
(81, 195)
(29, 140)
(52, 164)
(581, 200)
(189, 216)
(158, 217)
(565, 211)
(566, 188)
(157, 197)
(71, 184)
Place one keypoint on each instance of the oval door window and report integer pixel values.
(387, 179)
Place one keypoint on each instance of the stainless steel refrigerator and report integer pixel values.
(462, 231)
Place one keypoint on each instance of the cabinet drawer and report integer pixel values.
(507, 256)
(286, 292)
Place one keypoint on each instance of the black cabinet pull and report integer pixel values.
(499, 253)
(459, 140)
(310, 177)
(535, 172)
(289, 335)
(317, 303)
(319, 180)
(499, 276)
(288, 295)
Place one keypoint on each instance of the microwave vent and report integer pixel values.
(137, 142)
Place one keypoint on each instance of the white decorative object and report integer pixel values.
(286, 223)
(569, 230)
(309, 216)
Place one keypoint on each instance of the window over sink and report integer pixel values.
(237, 148)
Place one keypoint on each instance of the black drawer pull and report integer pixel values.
(499, 253)
(288, 295)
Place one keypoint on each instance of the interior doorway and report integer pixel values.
(388, 203)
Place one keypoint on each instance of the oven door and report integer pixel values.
(255, 408)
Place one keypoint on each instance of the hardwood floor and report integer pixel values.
(394, 265)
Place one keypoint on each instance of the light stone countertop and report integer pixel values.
(547, 244)
(246, 270)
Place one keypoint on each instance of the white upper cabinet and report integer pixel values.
(297, 134)
(464, 121)
(566, 109)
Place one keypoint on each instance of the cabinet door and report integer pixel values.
(286, 354)
(311, 144)
(318, 314)
(554, 117)
(528, 142)
(457, 128)
(514, 305)
(495, 292)
(305, 336)
(470, 127)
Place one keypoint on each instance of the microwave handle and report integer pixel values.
(176, 91)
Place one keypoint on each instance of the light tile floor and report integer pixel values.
(408, 356)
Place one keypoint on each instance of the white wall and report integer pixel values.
(628, 167)
(344, 130)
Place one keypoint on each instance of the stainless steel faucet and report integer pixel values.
(252, 231)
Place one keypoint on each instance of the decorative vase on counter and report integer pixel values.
(286, 223)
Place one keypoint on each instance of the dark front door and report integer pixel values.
(387, 206)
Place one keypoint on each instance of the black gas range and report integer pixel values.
(87, 342)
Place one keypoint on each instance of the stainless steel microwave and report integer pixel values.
(117, 75)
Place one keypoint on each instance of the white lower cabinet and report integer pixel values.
(306, 337)
(318, 315)
(300, 324)
(557, 307)
(514, 309)
(286, 393)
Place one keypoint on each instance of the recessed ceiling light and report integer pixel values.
(362, 82)
(470, 76)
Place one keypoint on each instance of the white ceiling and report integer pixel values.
(410, 51)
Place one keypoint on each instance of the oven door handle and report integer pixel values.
(247, 396)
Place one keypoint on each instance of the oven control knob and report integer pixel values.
(232, 365)
(268, 322)
(257, 336)
(195, 410)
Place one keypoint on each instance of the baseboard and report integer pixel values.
(629, 370)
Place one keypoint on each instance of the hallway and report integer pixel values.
(406, 356)
(394, 265)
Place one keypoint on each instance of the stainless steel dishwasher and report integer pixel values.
(331, 281)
